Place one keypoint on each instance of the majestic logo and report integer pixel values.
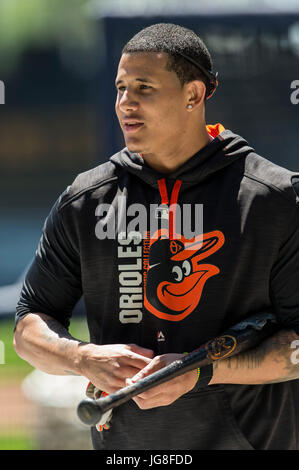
(176, 275)
(160, 336)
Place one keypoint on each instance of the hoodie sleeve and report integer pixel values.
(284, 283)
(53, 282)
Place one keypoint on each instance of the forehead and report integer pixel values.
(143, 65)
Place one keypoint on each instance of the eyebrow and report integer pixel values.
(146, 80)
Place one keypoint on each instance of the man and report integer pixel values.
(153, 294)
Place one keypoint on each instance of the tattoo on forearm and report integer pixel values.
(277, 348)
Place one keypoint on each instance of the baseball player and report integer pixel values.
(159, 280)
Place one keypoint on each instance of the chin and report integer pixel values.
(134, 147)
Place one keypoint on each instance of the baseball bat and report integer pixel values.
(240, 337)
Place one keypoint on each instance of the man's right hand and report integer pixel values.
(108, 366)
(47, 345)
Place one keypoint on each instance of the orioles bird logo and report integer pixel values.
(176, 275)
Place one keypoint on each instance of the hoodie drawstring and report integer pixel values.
(173, 202)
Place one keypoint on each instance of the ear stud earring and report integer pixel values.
(189, 106)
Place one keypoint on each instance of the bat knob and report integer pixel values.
(89, 412)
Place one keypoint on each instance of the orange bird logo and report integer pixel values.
(176, 273)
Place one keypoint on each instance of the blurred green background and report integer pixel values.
(25, 424)
(47, 136)
(57, 61)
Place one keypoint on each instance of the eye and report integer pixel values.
(186, 267)
(178, 273)
(145, 87)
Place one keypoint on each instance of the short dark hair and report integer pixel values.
(183, 47)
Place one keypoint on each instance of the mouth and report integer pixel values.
(130, 127)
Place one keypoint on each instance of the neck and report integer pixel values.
(172, 159)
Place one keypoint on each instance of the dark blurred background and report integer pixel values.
(47, 128)
(58, 61)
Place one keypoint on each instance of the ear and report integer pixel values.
(195, 94)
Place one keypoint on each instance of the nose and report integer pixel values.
(127, 102)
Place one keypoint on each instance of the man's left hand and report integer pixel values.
(168, 392)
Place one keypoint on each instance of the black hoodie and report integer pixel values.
(169, 262)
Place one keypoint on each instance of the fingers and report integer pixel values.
(166, 393)
(154, 402)
(127, 372)
(157, 363)
(151, 397)
(140, 357)
(134, 360)
(112, 364)
(142, 351)
(158, 396)
(117, 379)
(168, 388)
(136, 356)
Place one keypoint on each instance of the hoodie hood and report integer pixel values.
(225, 148)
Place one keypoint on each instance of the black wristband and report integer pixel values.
(204, 378)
